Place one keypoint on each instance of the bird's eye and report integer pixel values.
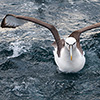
(70, 44)
(74, 43)
(67, 43)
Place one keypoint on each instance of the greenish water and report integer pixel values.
(27, 67)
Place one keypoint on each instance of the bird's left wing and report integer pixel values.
(76, 34)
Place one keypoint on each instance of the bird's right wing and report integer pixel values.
(12, 21)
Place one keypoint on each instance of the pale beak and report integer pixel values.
(70, 49)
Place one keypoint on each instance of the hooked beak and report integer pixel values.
(70, 49)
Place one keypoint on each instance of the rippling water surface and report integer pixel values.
(27, 67)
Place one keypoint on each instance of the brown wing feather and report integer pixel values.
(76, 34)
(3, 24)
(49, 26)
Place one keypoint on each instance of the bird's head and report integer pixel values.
(70, 43)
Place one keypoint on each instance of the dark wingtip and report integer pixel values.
(3, 23)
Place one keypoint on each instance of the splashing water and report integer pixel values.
(18, 48)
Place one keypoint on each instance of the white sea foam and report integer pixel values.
(18, 48)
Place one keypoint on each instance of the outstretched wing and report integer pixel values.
(76, 34)
(12, 21)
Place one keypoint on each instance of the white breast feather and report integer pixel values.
(64, 62)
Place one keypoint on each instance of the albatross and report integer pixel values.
(68, 53)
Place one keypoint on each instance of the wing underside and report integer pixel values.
(11, 21)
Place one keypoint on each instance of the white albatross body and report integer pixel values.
(65, 64)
